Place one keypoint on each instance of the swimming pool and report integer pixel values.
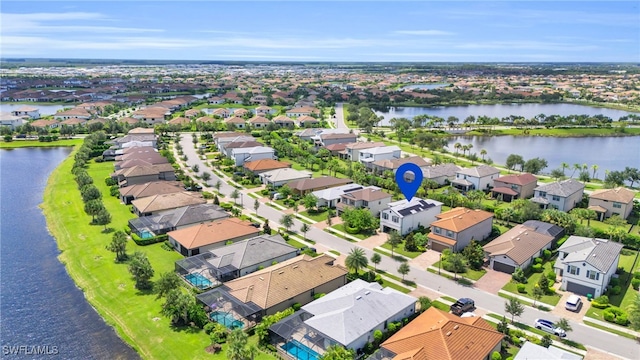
(198, 281)
(300, 351)
(226, 319)
(146, 234)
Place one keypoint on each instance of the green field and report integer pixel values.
(35, 143)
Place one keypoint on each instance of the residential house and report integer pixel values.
(228, 148)
(305, 186)
(302, 111)
(241, 112)
(518, 246)
(283, 121)
(151, 115)
(130, 193)
(154, 204)
(72, 113)
(334, 138)
(259, 99)
(380, 166)
(120, 142)
(347, 316)
(174, 219)
(279, 177)
(215, 100)
(561, 195)
(191, 113)
(240, 155)
(259, 122)
(454, 229)
(608, 202)
(142, 174)
(436, 334)
(182, 121)
(258, 167)
(587, 264)
(531, 351)
(221, 143)
(368, 156)
(238, 122)
(405, 216)
(331, 197)
(197, 239)
(221, 112)
(337, 150)
(371, 197)
(516, 186)
(27, 111)
(264, 111)
(307, 121)
(11, 121)
(442, 174)
(141, 160)
(353, 149)
(42, 123)
(73, 122)
(476, 178)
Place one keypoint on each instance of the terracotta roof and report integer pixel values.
(259, 120)
(597, 208)
(235, 120)
(179, 121)
(286, 280)
(336, 147)
(73, 121)
(128, 120)
(518, 179)
(619, 194)
(206, 119)
(310, 184)
(218, 231)
(226, 134)
(265, 164)
(519, 243)
(167, 201)
(337, 136)
(441, 239)
(436, 334)
(505, 190)
(460, 218)
(43, 123)
(282, 118)
(141, 130)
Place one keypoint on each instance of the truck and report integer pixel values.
(462, 306)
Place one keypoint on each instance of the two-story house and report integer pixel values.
(587, 264)
(371, 197)
(405, 216)
(369, 156)
(242, 155)
(442, 174)
(516, 186)
(352, 150)
(560, 195)
(334, 138)
(27, 111)
(476, 178)
(608, 202)
(331, 197)
(454, 229)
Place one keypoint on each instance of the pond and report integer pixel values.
(44, 109)
(423, 86)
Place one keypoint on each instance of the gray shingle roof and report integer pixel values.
(479, 171)
(251, 252)
(599, 253)
(440, 170)
(562, 188)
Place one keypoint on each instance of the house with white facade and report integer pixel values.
(405, 216)
(352, 150)
(370, 197)
(242, 155)
(368, 156)
(331, 197)
(609, 202)
(11, 121)
(454, 229)
(476, 178)
(442, 174)
(587, 264)
(560, 195)
(279, 177)
(223, 141)
(27, 111)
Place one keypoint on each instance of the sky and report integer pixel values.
(340, 31)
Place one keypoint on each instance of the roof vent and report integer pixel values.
(281, 272)
(594, 255)
(295, 267)
(358, 297)
(526, 233)
(261, 278)
(449, 333)
(456, 327)
(367, 292)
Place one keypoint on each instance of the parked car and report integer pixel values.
(573, 303)
(550, 327)
(462, 306)
(277, 196)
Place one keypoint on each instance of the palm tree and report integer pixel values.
(375, 260)
(404, 269)
(564, 166)
(356, 260)
(235, 194)
(594, 167)
(217, 186)
(483, 152)
(457, 146)
(304, 229)
(576, 167)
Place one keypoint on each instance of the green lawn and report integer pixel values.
(35, 143)
(553, 299)
(400, 250)
(361, 236)
(108, 285)
(469, 274)
(316, 216)
(440, 305)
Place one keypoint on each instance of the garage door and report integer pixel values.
(438, 247)
(580, 289)
(505, 268)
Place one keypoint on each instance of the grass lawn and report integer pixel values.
(400, 250)
(440, 305)
(469, 274)
(107, 285)
(361, 236)
(511, 286)
(35, 143)
(316, 216)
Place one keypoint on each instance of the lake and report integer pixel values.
(423, 86)
(44, 109)
(609, 153)
(40, 304)
(499, 111)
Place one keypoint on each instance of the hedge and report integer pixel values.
(149, 241)
(615, 315)
(636, 284)
(537, 268)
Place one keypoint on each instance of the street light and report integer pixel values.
(439, 263)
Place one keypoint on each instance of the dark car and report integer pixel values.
(462, 306)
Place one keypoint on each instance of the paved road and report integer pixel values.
(581, 333)
(340, 124)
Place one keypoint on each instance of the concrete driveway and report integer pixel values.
(560, 311)
(492, 281)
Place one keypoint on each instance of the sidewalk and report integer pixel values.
(611, 326)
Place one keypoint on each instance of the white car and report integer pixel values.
(573, 303)
(550, 327)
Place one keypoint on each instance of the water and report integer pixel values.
(44, 109)
(424, 86)
(499, 111)
(198, 281)
(226, 319)
(609, 153)
(300, 351)
(39, 303)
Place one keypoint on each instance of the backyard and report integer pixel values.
(532, 280)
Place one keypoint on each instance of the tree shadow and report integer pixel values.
(108, 230)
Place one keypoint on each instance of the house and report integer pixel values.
(264, 110)
(11, 121)
(141, 160)
(77, 112)
(518, 246)
(42, 123)
(259, 122)
(587, 264)
(476, 178)
(142, 174)
(307, 121)
(130, 193)
(454, 229)
(405, 216)
(283, 121)
(240, 155)
(292, 281)
(442, 174)
(151, 115)
(337, 150)
(120, 142)
(560, 195)
(305, 186)
(222, 141)
(151, 205)
(331, 197)
(531, 351)
(215, 100)
(238, 122)
(335, 138)
(436, 334)
(27, 111)
(380, 166)
(257, 167)
(347, 316)
(228, 147)
(181, 121)
(516, 186)
(353, 149)
(370, 197)
(191, 113)
(241, 112)
(279, 177)
(174, 219)
(608, 202)
(302, 111)
(368, 156)
(221, 112)
(196, 239)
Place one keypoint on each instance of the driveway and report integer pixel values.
(492, 281)
(560, 311)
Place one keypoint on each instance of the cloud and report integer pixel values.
(45, 23)
(527, 45)
(424, 32)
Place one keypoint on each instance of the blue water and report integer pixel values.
(226, 319)
(145, 234)
(39, 303)
(198, 280)
(300, 351)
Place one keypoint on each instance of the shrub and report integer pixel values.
(636, 275)
(609, 316)
(615, 315)
(616, 290)
(636, 284)
(496, 356)
(546, 254)
(351, 230)
(515, 340)
(537, 268)
(522, 288)
(622, 319)
(537, 260)
(551, 275)
(226, 206)
(296, 306)
(519, 276)
(207, 195)
(614, 282)
(110, 181)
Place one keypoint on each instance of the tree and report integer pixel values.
(503, 326)
(394, 239)
(538, 292)
(176, 306)
(83, 178)
(90, 192)
(546, 341)
(337, 352)
(195, 168)
(375, 260)
(256, 206)
(356, 260)
(217, 186)
(483, 153)
(118, 245)
(285, 191)
(564, 166)
(535, 165)
(287, 221)
(474, 255)
(103, 218)
(632, 175)
(266, 228)
(634, 313)
(235, 194)
(557, 174)
(167, 282)
(514, 307)
(563, 324)
(309, 202)
(576, 167)
(206, 176)
(93, 208)
(584, 176)
(594, 167)
(424, 302)
(456, 264)
(513, 160)
(359, 219)
(404, 269)
(304, 229)
(237, 341)
(141, 270)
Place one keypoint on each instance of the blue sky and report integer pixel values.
(381, 31)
